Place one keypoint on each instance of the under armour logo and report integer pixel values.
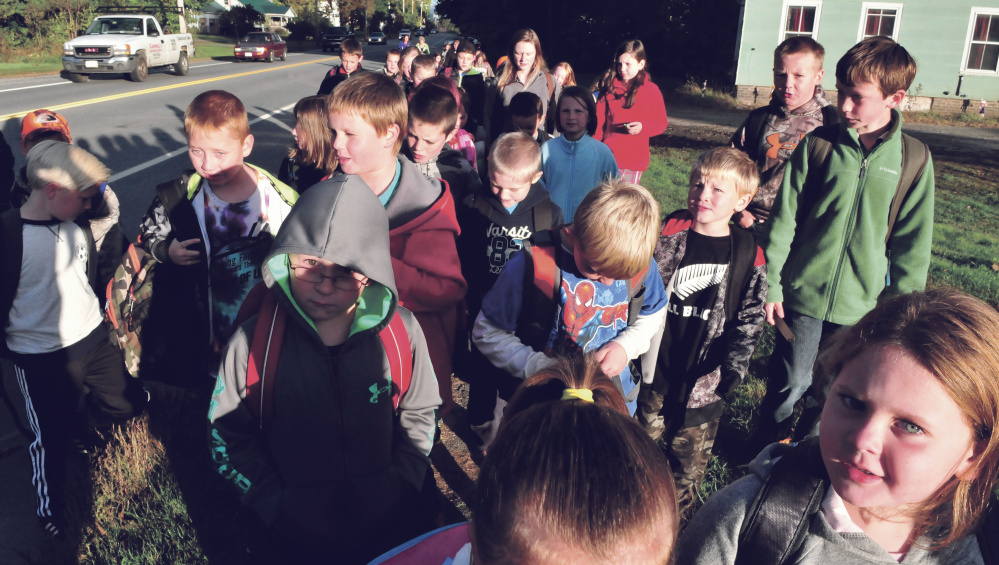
(773, 140)
(377, 391)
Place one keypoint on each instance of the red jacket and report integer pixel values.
(631, 151)
(422, 231)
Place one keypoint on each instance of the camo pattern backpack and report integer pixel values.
(129, 295)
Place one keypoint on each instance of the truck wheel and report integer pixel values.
(141, 70)
(270, 56)
(77, 77)
(181, 67)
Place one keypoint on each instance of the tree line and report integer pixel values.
(681, 37)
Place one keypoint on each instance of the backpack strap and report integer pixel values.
(830, 115)
(756, 124)
(745, 255)
(542, 280)
(820, 143)
(550, 121)
(265, 347)
(542, 215)
(988, 534)
(395, 340)
(636, 295)
(915, 155)
(482, 206)
(778, 519)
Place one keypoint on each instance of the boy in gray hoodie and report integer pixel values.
(336, 460)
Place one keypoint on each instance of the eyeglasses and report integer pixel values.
(342, 282)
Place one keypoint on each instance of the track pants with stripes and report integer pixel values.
(53, 385)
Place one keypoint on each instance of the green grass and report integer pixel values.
(31, 64)
(969, 118)
(692, 94)
(212, 49)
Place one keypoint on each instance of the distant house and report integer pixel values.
(276, 16)
(956, 44)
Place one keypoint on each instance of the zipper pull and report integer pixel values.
(863, 167)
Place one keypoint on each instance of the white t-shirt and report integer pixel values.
(54, 306)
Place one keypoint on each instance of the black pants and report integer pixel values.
(53, 385)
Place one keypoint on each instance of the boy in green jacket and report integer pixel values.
(830, 256)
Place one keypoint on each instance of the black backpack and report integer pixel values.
(778, 520)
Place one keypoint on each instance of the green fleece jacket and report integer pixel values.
(826, 255)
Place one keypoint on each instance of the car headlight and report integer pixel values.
(121, 50)
(67, 49)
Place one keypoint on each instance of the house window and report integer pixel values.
(880, 19)
(983, 42)
(800, 17)
(982, 50)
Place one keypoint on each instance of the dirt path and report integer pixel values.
(708, 128)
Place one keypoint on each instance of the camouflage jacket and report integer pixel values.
(723, 356)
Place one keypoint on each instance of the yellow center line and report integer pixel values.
(21, 114)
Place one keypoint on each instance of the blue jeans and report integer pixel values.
(790, 370)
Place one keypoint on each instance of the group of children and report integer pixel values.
(559, 292)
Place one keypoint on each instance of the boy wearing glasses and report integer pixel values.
(54, 331)
(335, 469)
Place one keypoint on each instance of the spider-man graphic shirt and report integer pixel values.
(589, 313)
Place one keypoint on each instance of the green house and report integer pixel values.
(276, 16)
(955, 44)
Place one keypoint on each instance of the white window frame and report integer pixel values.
(868, 6)
(975, 12)
(817, 4)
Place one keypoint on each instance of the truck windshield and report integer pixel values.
(117, 26)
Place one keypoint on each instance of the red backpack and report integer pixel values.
(265, 350)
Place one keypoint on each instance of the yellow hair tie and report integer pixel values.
(583, 394)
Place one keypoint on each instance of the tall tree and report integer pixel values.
(239, 20)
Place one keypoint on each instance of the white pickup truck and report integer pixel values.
(129, 44)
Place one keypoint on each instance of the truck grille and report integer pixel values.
(93, 52)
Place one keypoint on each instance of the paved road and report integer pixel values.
(137, 130)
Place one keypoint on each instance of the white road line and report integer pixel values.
(182, 150)
(36, 86)
(211, 65)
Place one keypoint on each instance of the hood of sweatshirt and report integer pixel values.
(534, 196)
(340, 220)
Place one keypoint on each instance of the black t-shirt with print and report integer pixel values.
(695, 291)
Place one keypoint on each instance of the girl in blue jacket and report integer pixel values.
(575, 163)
